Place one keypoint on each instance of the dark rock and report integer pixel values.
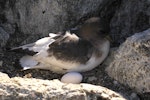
(25, 21)
(41, 17)
(25, 18)
(129, 18)
(4, 36)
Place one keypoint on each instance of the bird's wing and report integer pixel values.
(39, 44)
(70, 48)
(66, 52)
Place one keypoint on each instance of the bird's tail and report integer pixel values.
(28, 62)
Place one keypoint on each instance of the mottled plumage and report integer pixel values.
(65, 52)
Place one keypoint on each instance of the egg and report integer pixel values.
(72, 77)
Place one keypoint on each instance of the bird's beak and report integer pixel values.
(75, 31)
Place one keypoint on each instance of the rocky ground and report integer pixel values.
(24, 21)
(96, 77)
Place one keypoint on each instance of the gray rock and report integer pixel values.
(44, 16)
(130, 17)
(9, 28)
(26, 89)
(41, 17)
(1, 63)
(134, 96)
(26, 18)
(4, 36)
(131, 64)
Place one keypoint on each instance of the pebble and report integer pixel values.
(1, 63)
(92, 78)
(115, 82)
(134, 96)
(29, 75)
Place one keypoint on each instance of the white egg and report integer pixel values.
(72, 77)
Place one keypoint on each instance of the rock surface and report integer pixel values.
(42, 17)
(125, 17)
(131, 17)
(24, 21)
(26, 89)
(131, 65)
(4, 36)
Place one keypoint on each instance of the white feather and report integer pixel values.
(38, 45)
(27, 62)
(52, 35)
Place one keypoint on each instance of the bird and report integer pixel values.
(64, 52)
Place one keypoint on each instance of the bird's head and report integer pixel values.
(94, 29)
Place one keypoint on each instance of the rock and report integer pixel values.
(92, 78)
(134, 96)
(115, 83)
(4, 77)
(131, 64)
(28, 18)
(42, 17)
(26, 89)
(4, 36)
(9, 28)
(1, 63)
(129, 18)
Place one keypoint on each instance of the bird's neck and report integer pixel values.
(98, 42)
